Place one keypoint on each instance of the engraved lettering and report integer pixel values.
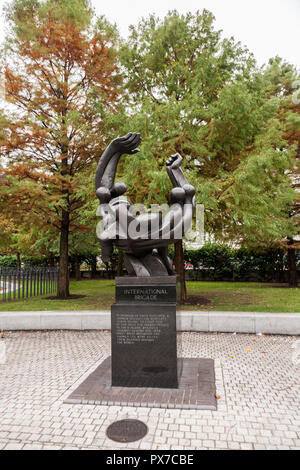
(140, 328)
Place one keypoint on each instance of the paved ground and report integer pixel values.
(257, 381)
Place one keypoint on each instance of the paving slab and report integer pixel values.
(257, 387)
(196, 390)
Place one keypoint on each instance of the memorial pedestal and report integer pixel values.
(143, 330)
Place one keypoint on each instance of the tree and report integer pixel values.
(192, 92)
(281, 79)
(62, 80)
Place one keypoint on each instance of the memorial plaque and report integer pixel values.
(144, 352)
(167, 293)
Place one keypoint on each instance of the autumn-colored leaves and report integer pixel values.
(61, 80)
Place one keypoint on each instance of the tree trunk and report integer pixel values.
(63, 291)
(179, 266)
(77, 268)
(94, 267)
(107, 270)
(63, 273)
(120, 263)
(292, 265)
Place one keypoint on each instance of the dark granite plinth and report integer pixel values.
(143, 331)
(144, 345)
(196, 389)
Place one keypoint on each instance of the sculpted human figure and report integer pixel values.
(145, 247)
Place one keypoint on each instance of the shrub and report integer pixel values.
(223, 263)
(8, 261)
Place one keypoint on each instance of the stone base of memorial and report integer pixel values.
(143, 330)
(142, 369)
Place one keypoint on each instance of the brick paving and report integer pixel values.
(257, 381)
(196, 388)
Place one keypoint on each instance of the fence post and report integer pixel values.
(14, 286)
(4, 286)
(30, 283)
(27, 282)
(9, 287)
(23, 285)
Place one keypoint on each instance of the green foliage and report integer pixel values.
(222, 262)
(190, 91)
(216, 257)
(8, 261)
(185, 90)
(180, 55)
(59, 60)
(11, 261)
(23, 15)
(175, 70)
(39, 261)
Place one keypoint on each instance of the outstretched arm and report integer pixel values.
(182, 192)
(175, 172)
(107, 167)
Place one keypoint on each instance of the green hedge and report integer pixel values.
(217, 262)
(221, 262)
(11, 261)
(8, 261)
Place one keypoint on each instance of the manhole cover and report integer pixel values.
(127, 430)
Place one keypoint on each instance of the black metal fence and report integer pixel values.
(27, 282)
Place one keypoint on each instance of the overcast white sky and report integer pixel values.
(266, 27)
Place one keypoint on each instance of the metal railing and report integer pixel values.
(27, 282)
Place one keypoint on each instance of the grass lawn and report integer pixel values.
(220, 296)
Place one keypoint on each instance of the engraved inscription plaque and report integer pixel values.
(134, 328)
(146, 293)
(144, 338)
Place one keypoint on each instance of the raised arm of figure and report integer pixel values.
(182, 192)
(107, 167)
(175, 172)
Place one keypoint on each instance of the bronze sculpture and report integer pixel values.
(146, 251)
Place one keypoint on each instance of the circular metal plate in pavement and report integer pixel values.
(127, 430)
